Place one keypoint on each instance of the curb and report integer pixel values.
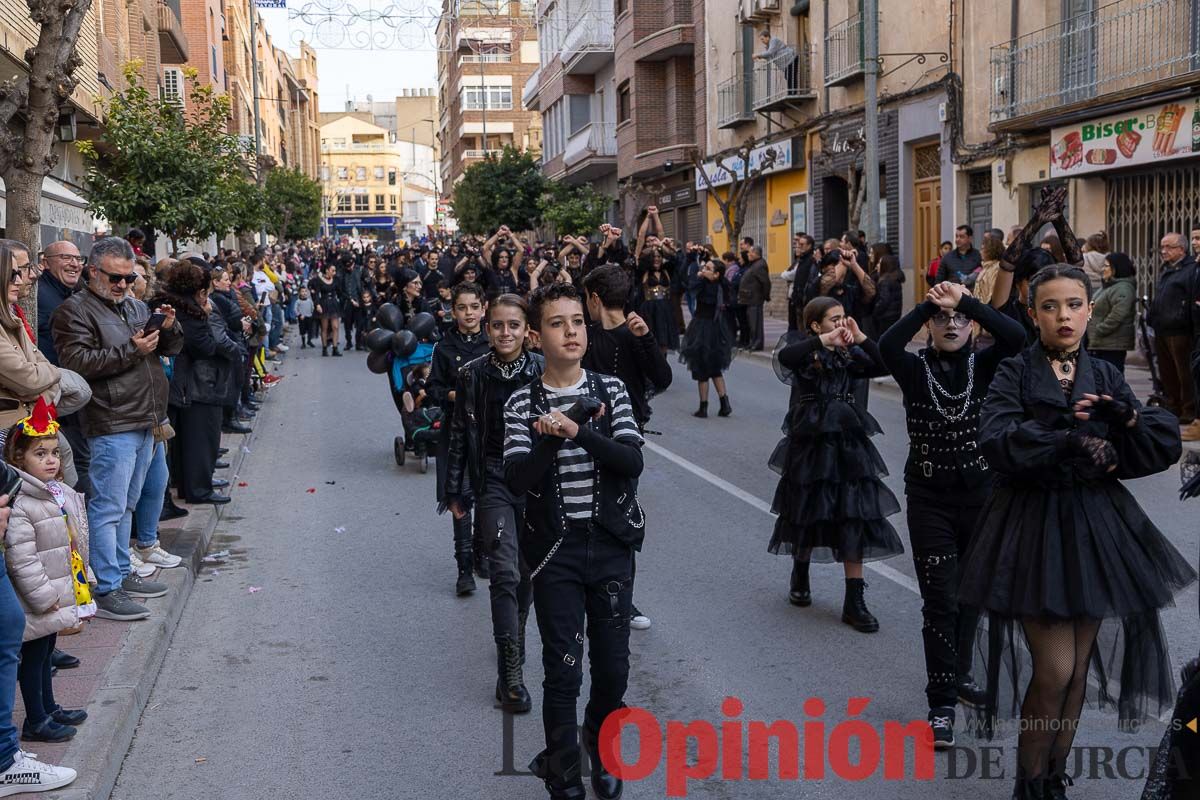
(97, 752)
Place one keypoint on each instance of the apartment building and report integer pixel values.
(489, 50)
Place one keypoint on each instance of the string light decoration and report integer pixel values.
(412, 25)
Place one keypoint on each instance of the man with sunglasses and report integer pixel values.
(101, 333)
(946, 480)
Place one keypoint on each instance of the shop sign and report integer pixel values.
(1162, 132)
(758, 157)
(682, 196)
(366, 222)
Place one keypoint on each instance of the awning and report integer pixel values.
(61, 208)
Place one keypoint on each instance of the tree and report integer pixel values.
(29, 111)
(174, 168)
(573, 210)
(733, 196)
(292, 204)
(500, 191)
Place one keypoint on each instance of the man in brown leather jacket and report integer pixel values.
(103, 334)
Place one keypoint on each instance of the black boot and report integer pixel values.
(701, 412)
(324, 349)
(466, 581)
(464, 555)
(605, 785)
(568, 787)
(800, 594)
(510, 683)
(336, 352)
(854, 609)
(726, 409)
(1054, 785)
(170, 510)
(1029, 788)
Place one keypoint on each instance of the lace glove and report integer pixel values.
(1113, 412)
(1099, 452)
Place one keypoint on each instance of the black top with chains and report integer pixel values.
(943, 393)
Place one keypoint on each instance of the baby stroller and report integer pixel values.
(422, 423)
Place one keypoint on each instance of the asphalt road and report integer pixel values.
(330, 658)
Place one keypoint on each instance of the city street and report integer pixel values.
(330, 658)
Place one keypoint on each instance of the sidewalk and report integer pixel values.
(120, 660)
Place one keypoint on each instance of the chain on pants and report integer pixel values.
(939, 536)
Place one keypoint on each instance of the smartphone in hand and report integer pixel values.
(155, 323)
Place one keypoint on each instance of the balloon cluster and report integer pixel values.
(393, 338)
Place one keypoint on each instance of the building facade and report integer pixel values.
(488, 49)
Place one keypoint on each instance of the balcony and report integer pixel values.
(782, 82)
(529, 96)
(482, 153)
(486, 58)
(589, 44)
(591, 151)
(844, 51)
(733, 102)
(172, 42)
(1113, 53)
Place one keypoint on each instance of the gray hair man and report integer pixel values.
(754, 291)
(110, 338)
(61, 267)
(1172, 315)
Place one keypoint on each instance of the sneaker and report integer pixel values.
(639, 621)
(154, 554)
(139, 567)
(120, 606)
(137, 586)
(29, 775)
(283, 348)
(941, 719)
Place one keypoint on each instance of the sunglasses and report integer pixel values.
(114, 277)
(957, 320)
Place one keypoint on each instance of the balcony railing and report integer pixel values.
(173, 43)
(783, 80)
(1116, 48)
(591, 33)
(733, 101)
(844, 51)
(470, 105)
(596, 139)
(481, 153)
(529, 94)
(486, 58)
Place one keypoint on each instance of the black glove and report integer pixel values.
(1096, 450)
(582, 410)
(1112, 412)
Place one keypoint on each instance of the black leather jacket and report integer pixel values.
(469, 423)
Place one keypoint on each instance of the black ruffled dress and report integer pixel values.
(1059, 539)
(657, 312)
(830, 498)
(707, 346)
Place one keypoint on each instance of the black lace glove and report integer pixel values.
(1112, 412)
(1099, 452)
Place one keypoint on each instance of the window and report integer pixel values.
(799, 213)
(172, 90)
(339, 142)
(392, 202)
(343, 203)
(343, 174)
(624, 111)
(360, 174)
(324, 172)
(379, 173)
(391, 177)
(379, 202)
(362, 202)
(412, 209)
(622, 7)
(498, 98)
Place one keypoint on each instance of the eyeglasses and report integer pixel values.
(957, 320)
(115, 277)
(69, 259)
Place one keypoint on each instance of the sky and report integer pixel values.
(406, 61)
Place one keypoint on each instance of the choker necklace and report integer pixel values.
(469, 338)
(1067, 358)
(508, 369)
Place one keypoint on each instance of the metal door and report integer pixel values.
(1143, 206)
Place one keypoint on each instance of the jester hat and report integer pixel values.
(42, 422)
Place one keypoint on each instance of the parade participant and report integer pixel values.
(572, 447)
(656, 306)
(461, 345)
(1063, 550)
(707, 346)
(475, 469)
(327, 301)
(408, 296)
(831, 503)
(944, 385)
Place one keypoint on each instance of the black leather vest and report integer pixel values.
(945, 453)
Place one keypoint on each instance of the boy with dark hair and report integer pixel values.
(463, 343)
(573, 449)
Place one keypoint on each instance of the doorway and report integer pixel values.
(927, 213)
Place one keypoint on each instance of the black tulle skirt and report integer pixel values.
(831, 500)
(660, 318)
(1085, 551)
(707, 347)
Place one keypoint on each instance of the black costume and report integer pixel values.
(326, 296)
(656, 308)
(1064, 549)
(454, 351)
(636, 360)
(707, 346)
(946, 480)
(475, 466)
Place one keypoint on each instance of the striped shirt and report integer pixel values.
(573, 462)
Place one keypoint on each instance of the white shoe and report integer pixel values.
(154, 555)
(282, 348)
(139, 567)
(639, 621)
(30, 775)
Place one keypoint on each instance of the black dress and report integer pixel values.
(830, 498)
(1060, 540)
(656, 309)
(326, 296)
(707, 346)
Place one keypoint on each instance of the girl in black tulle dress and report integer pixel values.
(1063, 550)
(831, 503)
(656, 308)
(707, 346)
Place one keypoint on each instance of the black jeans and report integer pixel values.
(500, 516)
(586, 585)
(939, 533)
(193, 451)
(34, 676)
(80, 451)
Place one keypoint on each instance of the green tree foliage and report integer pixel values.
(500, 191)
(573, 210)
(292, 203)
(172, 167)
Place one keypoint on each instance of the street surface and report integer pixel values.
(330, 658)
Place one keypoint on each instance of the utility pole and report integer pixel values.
(484, 92)
(870, 29)
(262, 234)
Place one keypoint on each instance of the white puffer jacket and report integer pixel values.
(37, 553)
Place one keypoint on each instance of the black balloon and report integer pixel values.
(404, 343)
(422, 325)
(379, 340)
(390, 317)
(378, 361)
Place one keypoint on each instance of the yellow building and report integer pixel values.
(362, 173)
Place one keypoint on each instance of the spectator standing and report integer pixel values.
(25, 372)
(931, 272)
(1095, 254)
(1110, 331)
(102, 334)
(754, 291)
(889, 295)
(1171, 316)
(803, 278)
(963, 260)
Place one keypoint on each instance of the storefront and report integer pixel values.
(681, 214)
(64, 215)
(382, 228)
(841, 146)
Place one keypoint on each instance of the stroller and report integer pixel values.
(422, 424)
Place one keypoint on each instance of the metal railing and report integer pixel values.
(481, 153)
(593, 140)
(470, 105)
(844, 50)
(782, 79)
(486, 58)
(1117, 47)
(591, 33)
(733, 101)
(529, 93)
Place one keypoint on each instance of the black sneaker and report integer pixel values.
(941, 719)
(120, 606)
(970, 694)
